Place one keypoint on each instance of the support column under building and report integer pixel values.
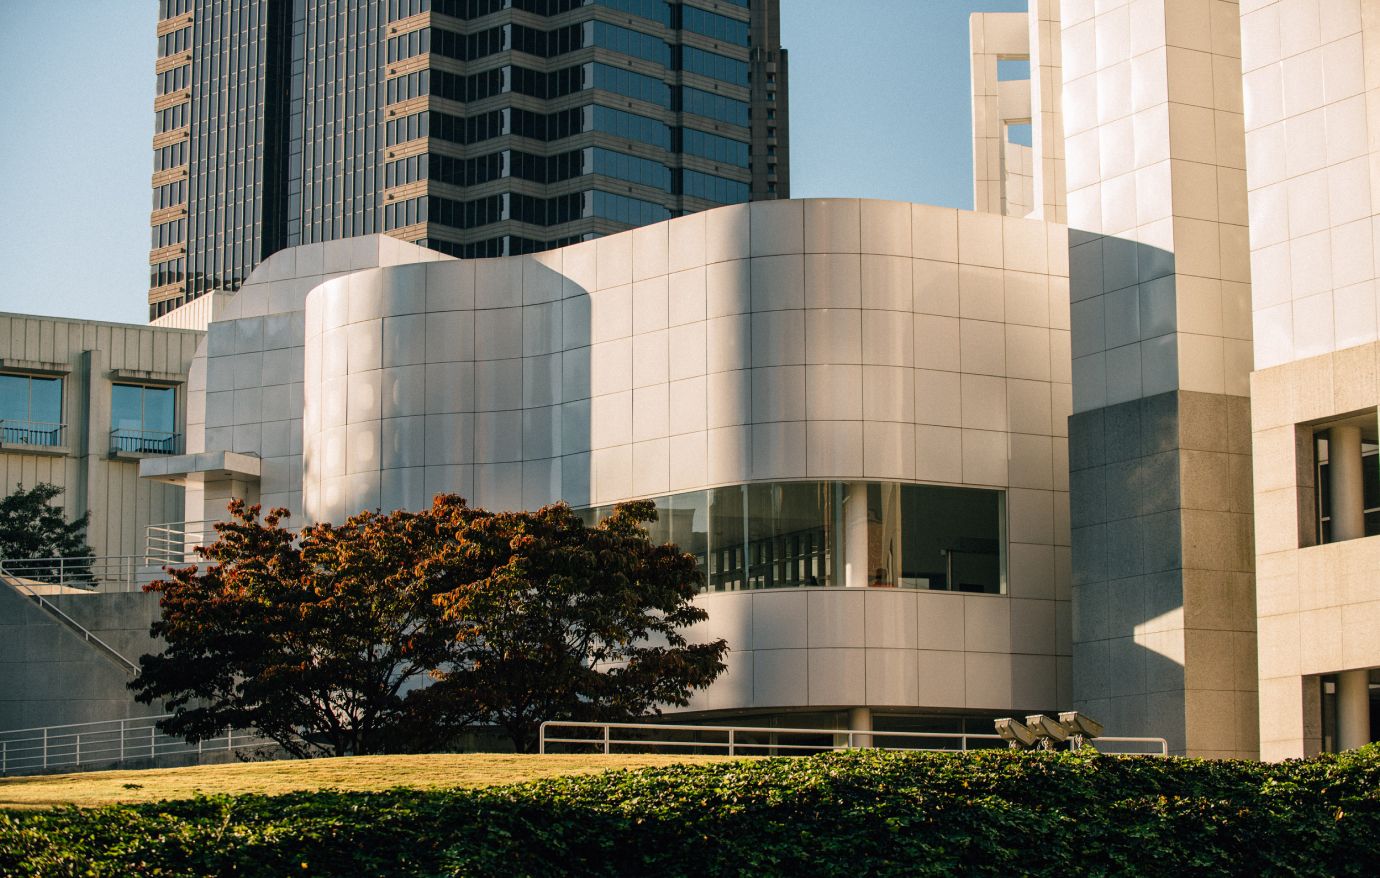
(1353, 709)
(855, 536)
(1348, 510)
(860, 720)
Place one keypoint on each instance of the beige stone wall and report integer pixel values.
(93, 355)
(1317, 606)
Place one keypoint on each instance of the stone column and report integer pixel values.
(1353, 709)
(860, 720)
(1344, 478)
(855, 536)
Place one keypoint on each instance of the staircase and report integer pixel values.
(38, 591)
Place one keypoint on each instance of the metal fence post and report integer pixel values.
(732, 743)
(77, 752)
(45, 747)
(606, 739)
(153, 742)
(122, 740)
(229, 740)
(4, 757)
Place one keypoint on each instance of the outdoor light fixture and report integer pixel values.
(1081, 727)
(1044, 727)
(1014, 732)
(1080, 724)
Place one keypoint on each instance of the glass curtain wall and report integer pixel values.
(808, 534)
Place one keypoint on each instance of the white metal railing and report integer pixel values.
(26, 751)
(96, 573)
(175, 542)
(747, 740)
(80, 630)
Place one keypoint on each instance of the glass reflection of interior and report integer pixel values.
(806, 534)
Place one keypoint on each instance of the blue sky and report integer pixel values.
(879, 109)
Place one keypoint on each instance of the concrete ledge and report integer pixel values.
(181, 469)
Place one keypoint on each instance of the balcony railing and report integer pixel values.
(144, 441)
(33, 433)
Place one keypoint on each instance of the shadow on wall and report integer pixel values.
(456, 376)
(1160, 505)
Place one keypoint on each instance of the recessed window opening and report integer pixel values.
(31, 410)
(1346, 457)
(143, 419)
(1012, 69)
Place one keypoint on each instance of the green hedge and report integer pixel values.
(846, 814)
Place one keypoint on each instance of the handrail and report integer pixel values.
(175, 542)
(87, 572)
(851, 738)
(108, 741)
(45, 434)
(73, 624)
(144, 441)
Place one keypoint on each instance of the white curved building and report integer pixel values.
(852, 411)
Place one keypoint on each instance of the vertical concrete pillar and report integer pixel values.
(855, 536)
(1344, 478)
(860, 720)
(1353, 709)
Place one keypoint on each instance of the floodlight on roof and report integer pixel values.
(1081, 724)
(1044, 727)
(1014, 731)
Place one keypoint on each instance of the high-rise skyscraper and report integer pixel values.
(474, 127)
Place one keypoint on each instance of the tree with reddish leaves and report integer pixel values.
(558, 620)
(323, 641)
(318, 640)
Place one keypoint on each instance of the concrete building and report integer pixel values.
(1312, 149)
(473, 127)
(787, 381)
(81, 404)
(937, 464)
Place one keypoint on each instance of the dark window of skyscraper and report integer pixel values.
(627, 167)
(629, 84)
(656, 10)
(175, 79)
(629, 42)
(174, 42)
(711, 24)
(621, 208)
(714, 66)
(714, 147)
(712, 106)
(630, 125)
(712, 188)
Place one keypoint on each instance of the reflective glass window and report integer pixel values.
(142, 419)
(30, 410)
(809, 534)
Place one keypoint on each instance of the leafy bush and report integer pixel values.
(843, 814)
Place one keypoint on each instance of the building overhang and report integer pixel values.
(207, 466)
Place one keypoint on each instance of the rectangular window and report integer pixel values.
(31, 410)
(143, 419)
(822, 534)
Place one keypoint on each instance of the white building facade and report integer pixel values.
(851, 411)
(937, 465)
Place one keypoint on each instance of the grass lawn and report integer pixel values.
(353, 773)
